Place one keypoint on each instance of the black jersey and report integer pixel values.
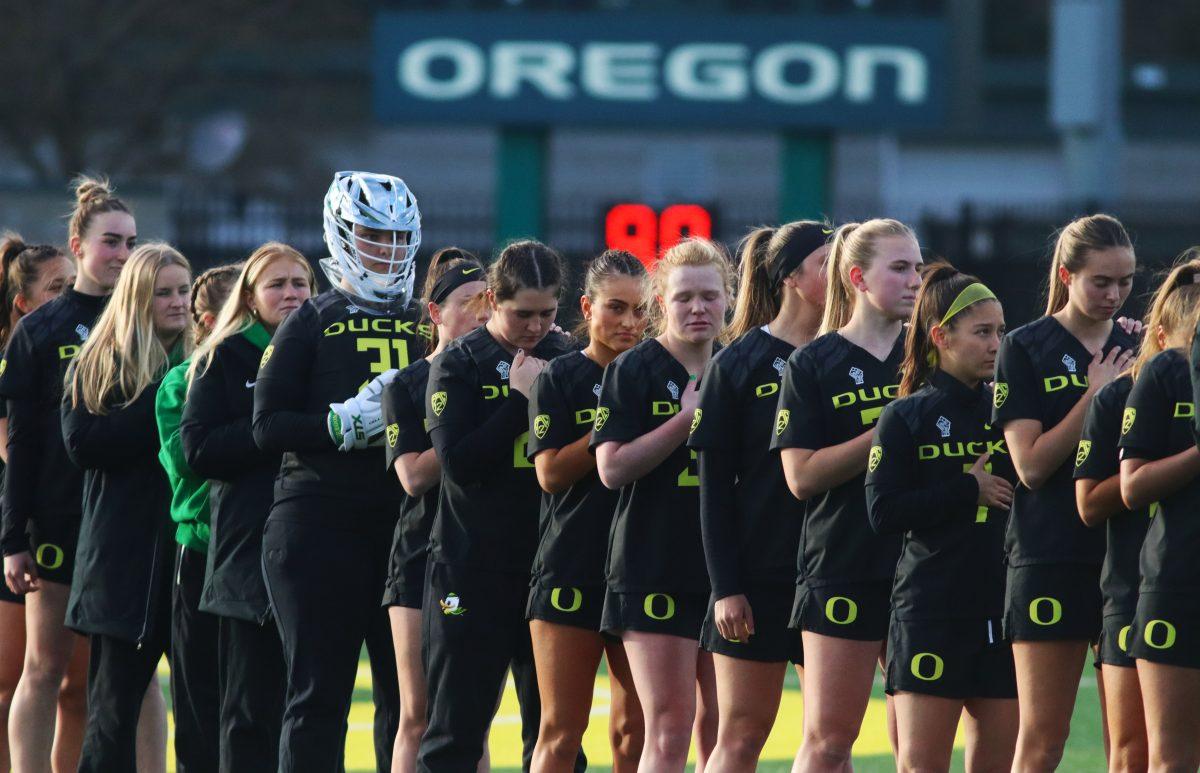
(1097, 459)
(324, 353)
(488, 504)
(575, 523)
(1041, 372)
(654, 545)
(41, 481)
(918, 483)
(404, 417)
(1157, 423)
(833, 391)
(751, 534)
(219, 445)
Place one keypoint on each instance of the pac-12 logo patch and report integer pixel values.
(874, 458)
(601, 417)
(541, 425)
(266, 355)
(1127, 420)
(857, 374)
(452, 605)
(393, 434)
(1001, 394)
(438, 403)
(781, 420)
(696, 420)
(1085, 448)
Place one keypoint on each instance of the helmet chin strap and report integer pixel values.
(333, 272)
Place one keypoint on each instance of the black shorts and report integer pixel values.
(54, 539)
(857, 611)
(405, 585)
(950, 659)
(1166, 629)
(773, 641)
(579, 607)
(1115, 639)
(673, 614)
(1052, 602)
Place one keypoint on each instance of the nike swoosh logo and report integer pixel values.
(250, 384)
(467, 271)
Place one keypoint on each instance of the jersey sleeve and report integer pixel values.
(217, 443)
(18, 367)
(1015, 394)
(896, 502)
(622, 406)
(798, 419)
(281, 421)
(1097, 458)
(168, 411)
(714, 424)
(469, 450)
(405, 423)
(551, 420)
(1146, 420)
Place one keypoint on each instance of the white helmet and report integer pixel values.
(380, 202)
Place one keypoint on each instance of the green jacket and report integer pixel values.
(189, 492)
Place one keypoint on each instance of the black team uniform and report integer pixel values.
(219, 445)
(43, 494)
(482, 547)
(124, 606)
(833, 391)
(657, 582)
(404, 417)
(568, 570)
(948, 598)
(5, 593)
(749, 520)
(325, 544)
(1157, 423)
(1097, 459)
(1053, 582)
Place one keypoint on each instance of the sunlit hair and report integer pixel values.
(122, 356)
(854, 244)
(695, 252)
(236, 314)
(758, 299)
(1071, 248)
(1174, 307)
(93, 196)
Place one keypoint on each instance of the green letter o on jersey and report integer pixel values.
(831, 609)
(1037, 606)
(648, 606)
(916, 666)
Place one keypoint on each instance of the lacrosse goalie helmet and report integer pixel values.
(381, 203)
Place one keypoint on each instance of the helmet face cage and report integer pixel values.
(389, 222)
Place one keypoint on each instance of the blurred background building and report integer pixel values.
(985, 123)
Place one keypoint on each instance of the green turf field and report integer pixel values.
(1085, 751)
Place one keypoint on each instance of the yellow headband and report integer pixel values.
(972, 293)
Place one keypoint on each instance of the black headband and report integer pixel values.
(459, 275)
(805, 239)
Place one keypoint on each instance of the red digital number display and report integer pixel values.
(639, 229)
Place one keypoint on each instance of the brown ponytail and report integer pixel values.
(1071, 248)
(757, 300)
(20, 268)
(941, 283)
(607, 264)
(1174, 307)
